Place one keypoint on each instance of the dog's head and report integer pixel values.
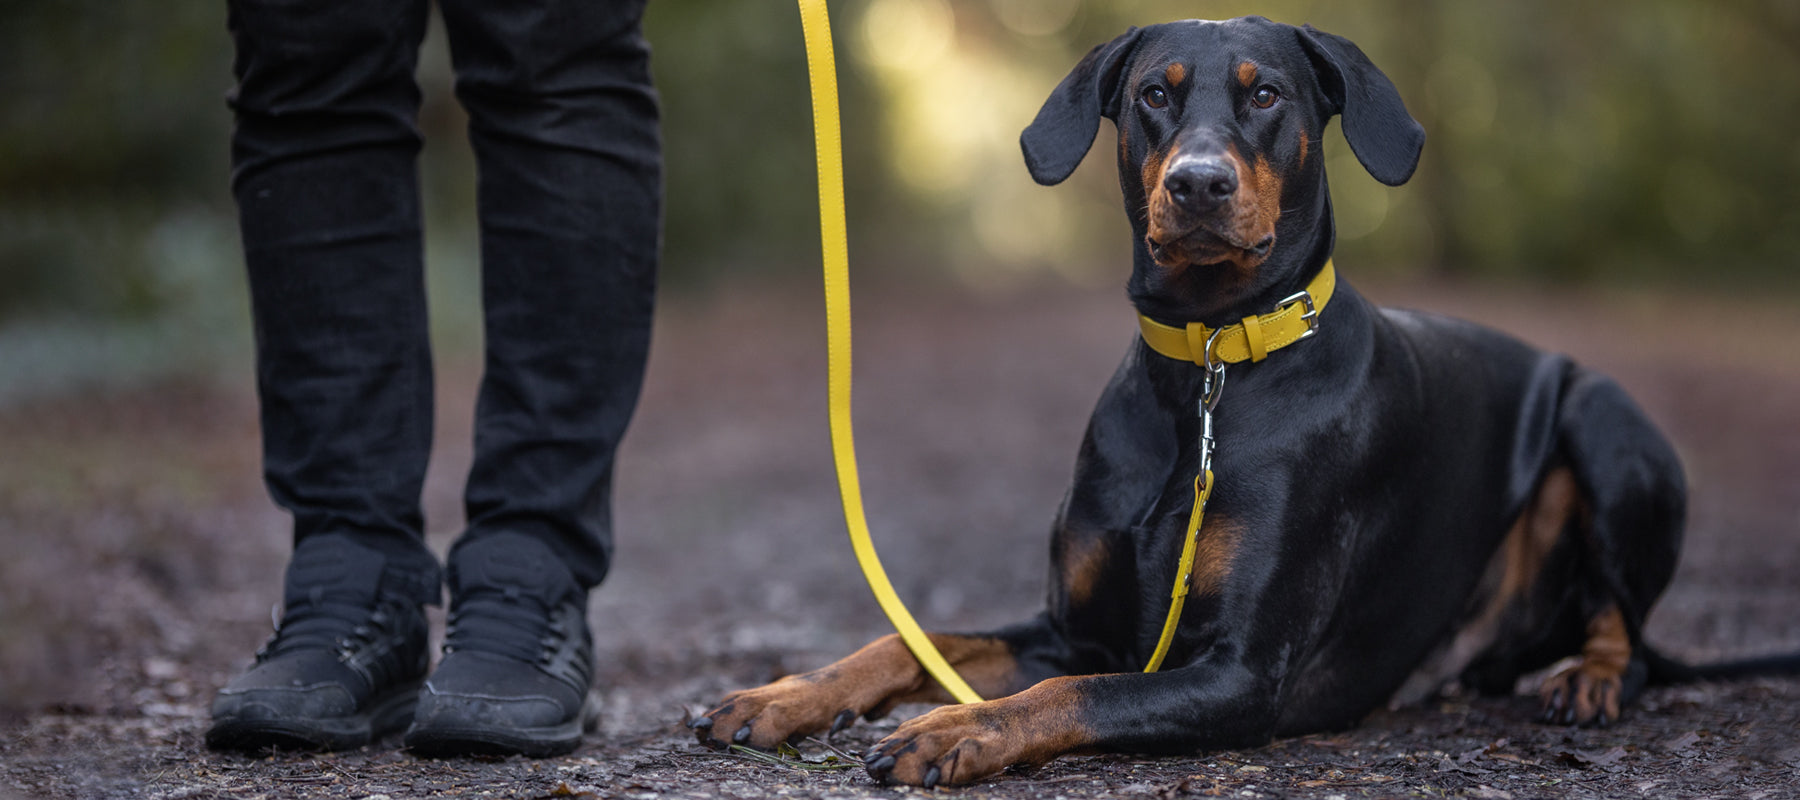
(1219, 129)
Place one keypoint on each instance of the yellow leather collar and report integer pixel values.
(1251, 339)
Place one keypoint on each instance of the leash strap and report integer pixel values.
(1184, 575)
(821, 68)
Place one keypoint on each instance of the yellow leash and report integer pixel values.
(1251, 339)
(822, 69)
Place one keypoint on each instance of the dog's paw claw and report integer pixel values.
(843, 720)
(880, 767)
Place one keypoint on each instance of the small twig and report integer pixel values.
(1067, 779)
(1296, 765)
(841, 754)
(305, 779)
(739, 752)
(718, 756)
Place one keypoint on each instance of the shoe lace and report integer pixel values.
(349, 629)
(509, 624)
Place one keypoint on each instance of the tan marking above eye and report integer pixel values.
(1176, 73)
(1246, 73)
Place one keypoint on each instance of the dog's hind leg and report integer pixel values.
(1635, 501)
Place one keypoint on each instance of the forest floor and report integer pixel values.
(139, 558)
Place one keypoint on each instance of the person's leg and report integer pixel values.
(323, 170)
(563, 120)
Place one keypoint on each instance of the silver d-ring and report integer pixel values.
(1215, 374)
(1208, 359)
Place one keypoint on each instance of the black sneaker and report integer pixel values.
(343, 667)
(518, 659)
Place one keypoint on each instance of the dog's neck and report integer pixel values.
(1219, 294)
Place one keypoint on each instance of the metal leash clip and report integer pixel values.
(1211, 389)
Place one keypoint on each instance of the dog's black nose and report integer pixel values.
(1200, 184)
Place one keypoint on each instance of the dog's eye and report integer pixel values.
(1155, 97)
(1265, 97)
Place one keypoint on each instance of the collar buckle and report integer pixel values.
(1310, 316)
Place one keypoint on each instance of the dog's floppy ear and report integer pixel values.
(1059, 138)
(1385, 138)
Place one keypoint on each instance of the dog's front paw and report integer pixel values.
(1585, 694)
(764, 717)
(949, 745)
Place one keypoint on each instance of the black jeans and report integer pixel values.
(563, 120)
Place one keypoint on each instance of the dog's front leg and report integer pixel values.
(870, 682)
(1179, 710)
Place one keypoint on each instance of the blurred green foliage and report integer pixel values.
(110, 132)
(1568, 139)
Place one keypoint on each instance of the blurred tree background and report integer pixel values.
(1569, 140)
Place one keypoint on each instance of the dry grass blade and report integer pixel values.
(786, 758)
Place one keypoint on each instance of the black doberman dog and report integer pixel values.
(1401, 500)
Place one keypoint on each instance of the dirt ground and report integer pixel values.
(139, 558)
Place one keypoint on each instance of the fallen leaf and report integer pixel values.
(1683, 744)
(1589, 758)
(1446, 765)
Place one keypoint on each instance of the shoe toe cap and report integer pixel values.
(284, 702)
(527, 711)
(488, 689)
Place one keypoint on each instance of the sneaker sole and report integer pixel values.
(389, 714)
(440, 741)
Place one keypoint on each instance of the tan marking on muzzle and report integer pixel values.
(1152, 177)
(1256, 207)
